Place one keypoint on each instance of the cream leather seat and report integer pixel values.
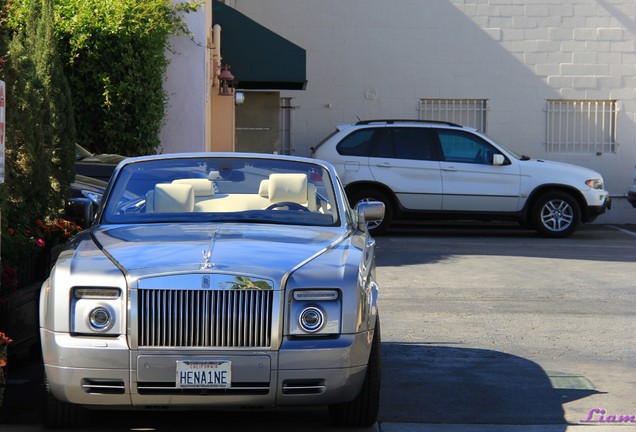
(202, 187)
(287, 188)
(173, 198)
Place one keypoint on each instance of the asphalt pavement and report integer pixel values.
(510, 333)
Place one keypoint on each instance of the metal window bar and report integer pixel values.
(581, 126)
(467, 112)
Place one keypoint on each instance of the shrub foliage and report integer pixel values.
(87, 71)
(114, 59)
(40, 132)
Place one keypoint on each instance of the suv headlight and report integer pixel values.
(96, 311)
(595, 183)
(315, 312)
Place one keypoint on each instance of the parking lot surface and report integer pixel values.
(484, 328)
(496, 325)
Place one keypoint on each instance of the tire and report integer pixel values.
(61, 415)
(365, 195)
(556, 214)
(363, 410)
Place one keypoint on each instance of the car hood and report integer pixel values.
(264, 250)
(538, 165)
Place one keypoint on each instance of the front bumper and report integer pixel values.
(594, 211)
(315, 372)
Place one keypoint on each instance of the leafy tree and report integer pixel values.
(40, 137)
(115, 61)
(61, 128)
(112, 53)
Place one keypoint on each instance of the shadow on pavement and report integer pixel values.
(24, 392)
(25, 395)
(435, 384)
(420, 384)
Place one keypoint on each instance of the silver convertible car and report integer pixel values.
(216, 280)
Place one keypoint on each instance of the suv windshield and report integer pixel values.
(192, 189)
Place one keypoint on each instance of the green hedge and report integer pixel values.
(76, 71)
(114, 59)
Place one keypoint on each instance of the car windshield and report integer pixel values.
(199, 189)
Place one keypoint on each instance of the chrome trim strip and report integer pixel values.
(304, 389)
(205, 281)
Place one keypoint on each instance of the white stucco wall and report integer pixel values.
(377, 59)
(185, 85)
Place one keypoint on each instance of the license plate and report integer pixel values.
(204, 374)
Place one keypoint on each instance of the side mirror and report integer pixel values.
(369, 211)
(81, 211)
(498, 159)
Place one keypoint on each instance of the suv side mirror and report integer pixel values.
(498, 159)
(369, 211)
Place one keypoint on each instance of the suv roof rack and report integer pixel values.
(393, 121)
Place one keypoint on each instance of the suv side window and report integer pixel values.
(407, 143)
(357, 143)
(460, 146)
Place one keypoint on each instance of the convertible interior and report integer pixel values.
(291, 191)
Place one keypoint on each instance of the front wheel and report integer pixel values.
(61, 415)
(366, 195)
(363, 410)
(556, 214)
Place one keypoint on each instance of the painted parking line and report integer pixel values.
(623, 230)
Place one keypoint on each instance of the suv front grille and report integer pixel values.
(205, 318)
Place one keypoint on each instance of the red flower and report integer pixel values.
(39, 243)
(4, 339)
(10, 231)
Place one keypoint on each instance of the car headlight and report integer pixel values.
(311, 319)
(97, 293)
(316, 295)
(595, 183)
(96, 311)
(315, 312)
(100, 318)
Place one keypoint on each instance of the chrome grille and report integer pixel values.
(205, 318)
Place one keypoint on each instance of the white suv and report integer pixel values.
(440, 170)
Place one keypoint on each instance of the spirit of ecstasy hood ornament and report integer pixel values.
(207, 255)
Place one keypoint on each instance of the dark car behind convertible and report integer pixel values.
(99, 166)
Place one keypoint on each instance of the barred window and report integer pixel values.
(466, 112)
(581, 126)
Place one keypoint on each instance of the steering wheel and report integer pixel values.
(484, 157)
(479, 157)
(289, 204)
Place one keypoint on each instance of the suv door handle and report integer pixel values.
(449, 168)
(384, 165)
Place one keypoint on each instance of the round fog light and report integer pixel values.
(311, 319)
(100, 318)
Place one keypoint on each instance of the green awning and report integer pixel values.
(259, 58)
